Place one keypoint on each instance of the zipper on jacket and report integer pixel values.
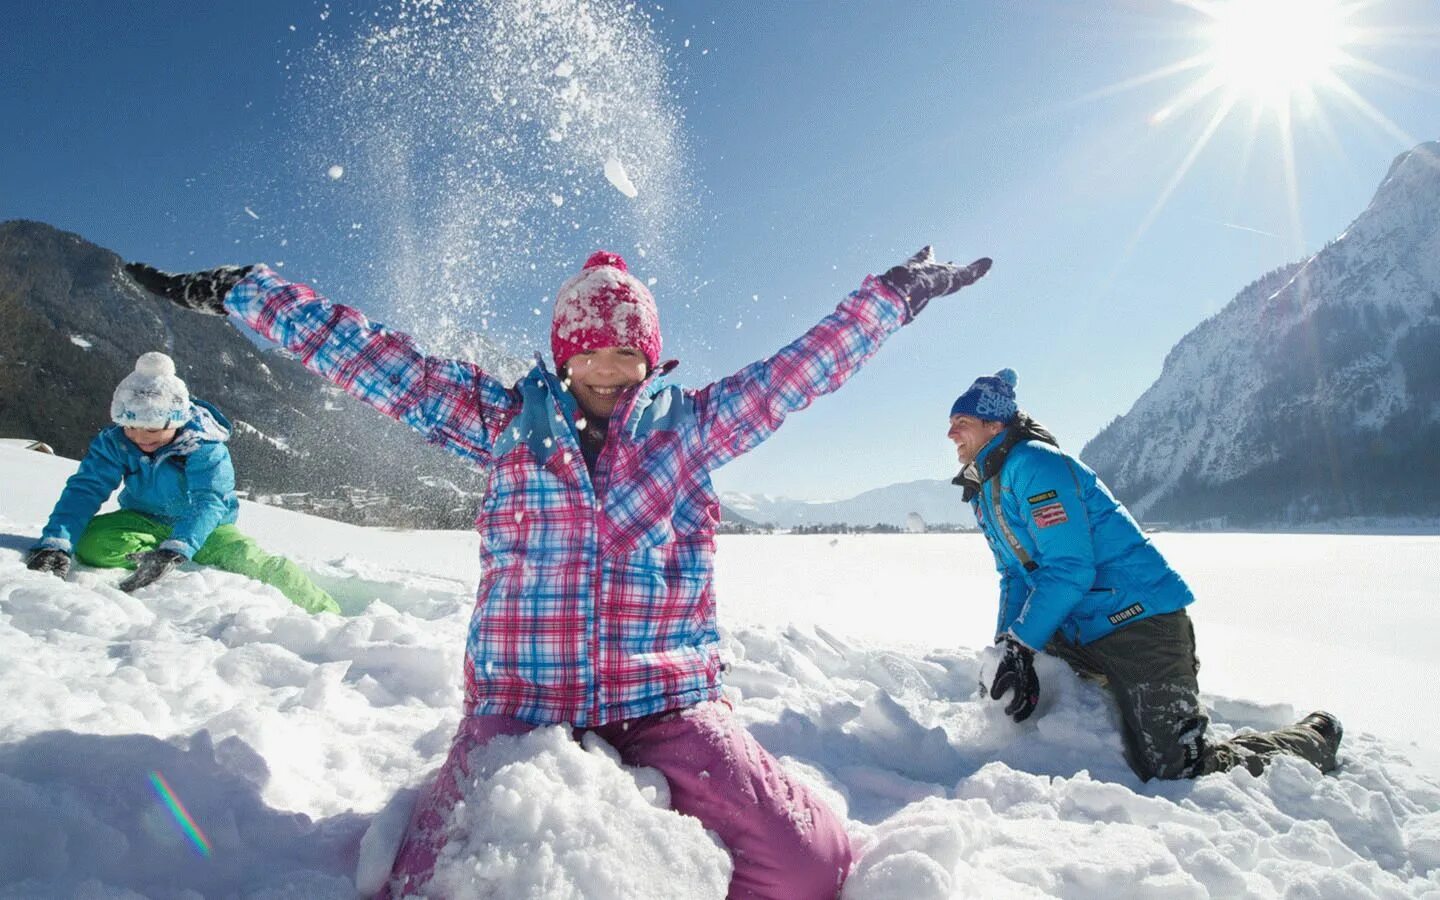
(590, 486)
(602, 478)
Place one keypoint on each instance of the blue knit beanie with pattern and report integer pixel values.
(991, 397)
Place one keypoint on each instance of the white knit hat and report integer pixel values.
(151, 396)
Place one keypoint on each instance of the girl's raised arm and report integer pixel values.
(453, 403)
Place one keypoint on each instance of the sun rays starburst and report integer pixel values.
(1281, 65)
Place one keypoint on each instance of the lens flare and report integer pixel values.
(180, 814)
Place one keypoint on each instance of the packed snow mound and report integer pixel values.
(545, 816)
(295, 742)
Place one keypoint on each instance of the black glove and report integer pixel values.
(1017, 671)
(201, 291)
(921, 278)
(150, 567)
(54, 561)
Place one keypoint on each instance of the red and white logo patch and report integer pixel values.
(1049, 514)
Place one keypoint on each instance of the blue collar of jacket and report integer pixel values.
(548, 412)
(991, 446)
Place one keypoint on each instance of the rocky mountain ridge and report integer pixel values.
(1313, 395)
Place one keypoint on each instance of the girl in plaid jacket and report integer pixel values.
(596, 603)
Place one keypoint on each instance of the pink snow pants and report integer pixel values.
(784, 842)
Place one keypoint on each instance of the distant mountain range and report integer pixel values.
(934, 501)
(1314, 395)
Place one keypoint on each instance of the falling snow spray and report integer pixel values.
(468, 155)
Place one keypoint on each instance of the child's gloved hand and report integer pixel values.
(1017, 671)
(56, 562)
(201, 291)
(922, 278)
(150, 567)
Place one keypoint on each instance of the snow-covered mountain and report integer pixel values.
(71, 325)
(936, 502)
(1314, 394)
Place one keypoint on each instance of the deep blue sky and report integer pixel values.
(822, 141)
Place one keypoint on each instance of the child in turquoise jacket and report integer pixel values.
(178, 499)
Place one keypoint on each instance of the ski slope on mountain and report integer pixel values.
(294, 742)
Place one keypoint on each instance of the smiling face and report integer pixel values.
(971, 434)
(597, 377)
(150, 439)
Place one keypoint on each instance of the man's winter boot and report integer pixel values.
(1326, 725)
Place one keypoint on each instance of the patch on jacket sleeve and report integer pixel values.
(1126, 614)
(1049, 514)
(1041, 498)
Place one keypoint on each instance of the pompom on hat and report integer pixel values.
(990, 398)
(604, 306)
(152, 396)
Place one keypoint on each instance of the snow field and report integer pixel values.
(295, 742)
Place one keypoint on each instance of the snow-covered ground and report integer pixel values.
(294, 742)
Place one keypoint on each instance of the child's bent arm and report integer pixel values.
(451, 402)
(100, 473)
(736, 413)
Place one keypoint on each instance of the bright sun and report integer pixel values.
(1288, 63)
(1275, 52)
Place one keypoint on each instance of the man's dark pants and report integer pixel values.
(1150, 667)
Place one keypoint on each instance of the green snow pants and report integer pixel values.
(1150, 666)
(109, 539)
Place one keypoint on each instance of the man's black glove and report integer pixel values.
(1017, 671)
(201, 291)
(54, 561)
(921, 278)
(150, 567)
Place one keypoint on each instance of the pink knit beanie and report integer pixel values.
(604, 306)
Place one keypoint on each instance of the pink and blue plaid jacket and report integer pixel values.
(596, 601)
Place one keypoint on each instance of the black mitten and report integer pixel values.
(1017, 671)
(150, 567)
(201, 291)
(921, 278)
(56, 562)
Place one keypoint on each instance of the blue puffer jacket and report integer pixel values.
(188, 484)
(1082, 567)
